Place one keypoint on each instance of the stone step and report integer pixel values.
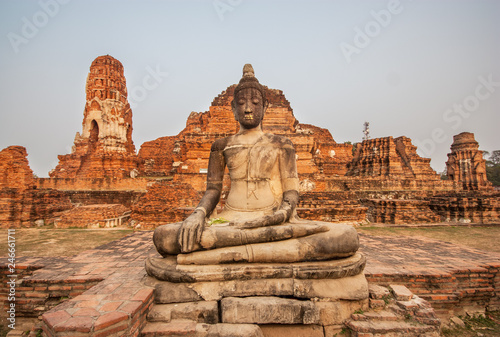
(401, 293)
(192, 328)
(268, 310)
(383, 315)
(200, 312)
(392, 328)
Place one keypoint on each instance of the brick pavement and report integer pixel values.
(107, 297)
(455, 279)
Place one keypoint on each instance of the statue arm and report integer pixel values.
(191, 229)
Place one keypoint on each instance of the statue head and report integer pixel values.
(249, 102)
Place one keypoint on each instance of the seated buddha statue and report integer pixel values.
(261, 223)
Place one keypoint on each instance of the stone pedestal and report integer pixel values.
(307, 298)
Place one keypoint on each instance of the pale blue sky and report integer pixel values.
(409, 76)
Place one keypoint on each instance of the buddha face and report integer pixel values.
(248, 108)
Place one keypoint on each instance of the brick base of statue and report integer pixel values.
(255, 299)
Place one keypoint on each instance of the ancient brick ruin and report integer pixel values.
(389, 158)
(379, 180)
(103, 183)
(465, 164)
(105, 147)
(382, 180)
(21, 203)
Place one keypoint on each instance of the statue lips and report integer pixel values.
(249, 115)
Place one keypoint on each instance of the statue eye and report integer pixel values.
(255, 100)
(241, 101)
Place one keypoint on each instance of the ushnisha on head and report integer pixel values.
(249, 102)
(248, 80)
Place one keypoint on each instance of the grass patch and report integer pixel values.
(36, 242)
(483, 238)
(488, 326)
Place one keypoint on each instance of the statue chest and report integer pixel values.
(251, 162)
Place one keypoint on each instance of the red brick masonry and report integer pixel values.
(106, 295)
(116, 303)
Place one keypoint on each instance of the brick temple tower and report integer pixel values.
(465, 163)
(105, 147)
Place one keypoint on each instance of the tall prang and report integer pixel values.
(105, 147)
(466, 165)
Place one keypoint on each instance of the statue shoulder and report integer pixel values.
(220, 144)
(280, 141)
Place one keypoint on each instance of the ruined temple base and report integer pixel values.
(247, 299)
(105, 292)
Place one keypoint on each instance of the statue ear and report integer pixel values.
(233, 107)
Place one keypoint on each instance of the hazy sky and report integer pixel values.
(427, 70)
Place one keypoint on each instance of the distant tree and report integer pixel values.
(493, 168)
(495, 157)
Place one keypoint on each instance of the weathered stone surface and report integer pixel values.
(268, 310)
(105, 147)
(175, 293)
(345, 288)
(395, 329)
(167, 269)
(414, 317)
(401, 293)
(176, 328)
(291, 242)
(191, 328)
(201, 312)
(465, 165)
(271, 330)
(337, 312)
(378, 292)
(231, 330)
(243, 288)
